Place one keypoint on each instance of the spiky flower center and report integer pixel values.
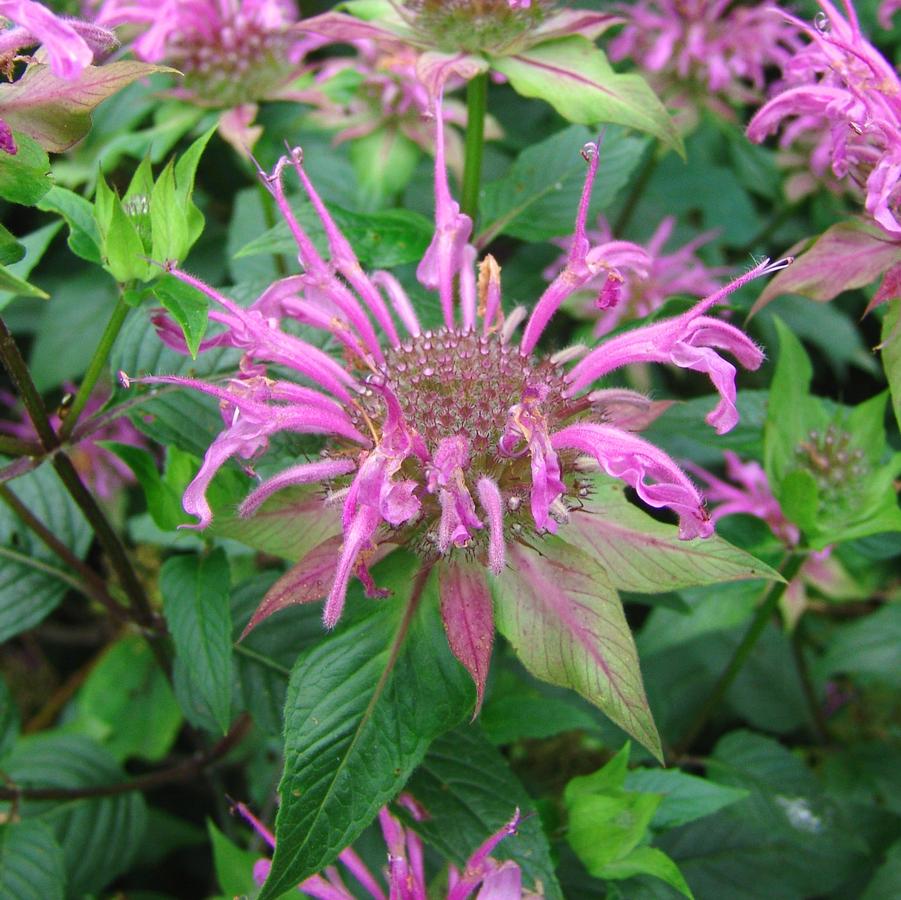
(474, 25)
(837, 466)
(234, 63)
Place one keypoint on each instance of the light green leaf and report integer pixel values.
(84, 238)
(574, 76)
(234, 866)
(384, 161)
(25, 176)
(647, 861)
(565, 621)
(363, 705)
(196, 605)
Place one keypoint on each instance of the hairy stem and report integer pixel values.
(183, 771)
(95, 368)
(476, 107)
(764, 613)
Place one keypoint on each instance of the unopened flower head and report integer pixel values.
(405, 872)
(636, 280)
(706, 51)
(230, 51)
(842, 90)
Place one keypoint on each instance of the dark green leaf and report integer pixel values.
(31, 862)
(469, 792)
(189, 307)
(867, 649)
(195, 601)
(9, 719)
(99, 836)
(539, 196)
(363, 706)
(32, 579)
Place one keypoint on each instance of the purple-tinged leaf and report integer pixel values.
(645, 556)
(434, 69)
(289, 524)
(889, 289)
(468, 615)
(574, 21)
(57, 113)
(575, 77)
(305, 582)
(848, 255)
(565, 621)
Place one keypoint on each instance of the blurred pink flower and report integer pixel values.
(713, 52)
(841, 90)
(405, 871)
(101, 469)
(635, 281)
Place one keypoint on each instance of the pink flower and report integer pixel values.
(704, 51)
(101, 469)
(450, 440)
(405, 872)
(633, 280)
(841, 89)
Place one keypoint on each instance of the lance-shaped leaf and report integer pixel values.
(362, 707)
(645, 556)
(57, 113)
(574, 76)
(305, 582)
(466, 609)
(566, 623)
(848, 255)
(891, 355)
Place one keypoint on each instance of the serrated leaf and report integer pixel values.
(196, 605)
(685, 797)
(99, 836)
(565, 621)
(31, 862)
(469, 791)
(573, 75)
(25, 176)
(126, 703)
(188, 306)
(32, 579)
(57, 113)
(538, 197)
(643, 555)
(362, 707)
(380, 240)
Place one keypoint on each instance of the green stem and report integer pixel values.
(765, 611)
(12, 446)
(476, 107)
(95, 368)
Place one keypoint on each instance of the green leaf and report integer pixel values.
(469, 792)
(887, 880)
(891, 355)
(9, 719)
(196, 605)
(31, 862)
(11, 251)
(363, 706)
(565, 621)
(380, 240)
(234, 866)
(126, 703)
(32, 579)
(538, 197)
(167, 216)
(99, 836)
(121, 246)
(18, 287)
(57, 113)
(685, 797)
(574, 76)
(189, 307)
(867, 649)
(35, 244)
(163, 501)
(384, 161)
(643, 555)
(647, 861)
(25, 176)
(84, 238)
